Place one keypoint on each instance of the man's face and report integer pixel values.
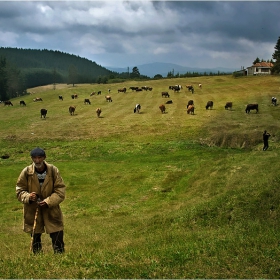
(38, 161)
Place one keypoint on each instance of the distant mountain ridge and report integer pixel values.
(152, 69)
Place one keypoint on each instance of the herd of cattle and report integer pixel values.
(175, 88)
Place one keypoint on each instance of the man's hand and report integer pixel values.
(43, 204)
(33, 196)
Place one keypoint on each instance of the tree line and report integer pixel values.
(21, 69)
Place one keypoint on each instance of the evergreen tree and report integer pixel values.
(3, 80)
(257, 60)
(276, 55)
(72, 75)
(135, 72)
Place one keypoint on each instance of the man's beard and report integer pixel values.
(39, 165)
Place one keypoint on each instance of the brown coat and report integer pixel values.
(52, 192)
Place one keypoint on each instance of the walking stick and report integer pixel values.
(34, 226)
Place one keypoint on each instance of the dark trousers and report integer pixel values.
(265, 145)
(57, 242)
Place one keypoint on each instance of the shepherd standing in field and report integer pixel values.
(41, 189)
(266, 136)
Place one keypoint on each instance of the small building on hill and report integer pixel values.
(260, 68)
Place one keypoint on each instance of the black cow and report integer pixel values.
(8, 103)
(250, 107)
(165, 94)
(60, 97)
(209, 105)
(99, 92)
(169, 102)
(228, 105)
(43, 113)
(21, 102)
(274, 101)
(137, 108)
(87, 101)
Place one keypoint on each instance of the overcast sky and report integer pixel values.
(128, 33)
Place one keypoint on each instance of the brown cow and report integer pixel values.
(165, 94)
(190, 102)
(93, 93)
(98, 112)
(209, 105)
(108, 98)
(190, 109)
(228, 105)
(162, 108)
(122, 90)
(8, 102)
(37, 99)
(72, 110)
(74, 96)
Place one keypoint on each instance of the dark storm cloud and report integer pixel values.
(135, 32)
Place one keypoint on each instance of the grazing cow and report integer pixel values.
(87, 101)
(21, 102)
(169, 102)
(137, 108)
(122, 90)
(74, 96)
(98, 112)
(108, 98)
(190, 109)
(228, 105)
(165, 94)
(8, 103)
(162, 108)
(190, 102)
(252, 107)
(209, 105)
(60, 97)
(177, 88)
(200, 85)
(72, 110)
(99, 92)
(274, 101)
(44, 113)
(133, 88)
(93, 93)
(190, 88)
(37, 99)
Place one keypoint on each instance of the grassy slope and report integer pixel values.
(150, 195)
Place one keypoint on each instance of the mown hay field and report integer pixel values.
(149, 195)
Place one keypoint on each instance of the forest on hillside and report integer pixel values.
(21, 69)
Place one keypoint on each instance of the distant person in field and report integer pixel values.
(41, 189)
(266, 136)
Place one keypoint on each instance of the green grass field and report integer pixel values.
(150, 195)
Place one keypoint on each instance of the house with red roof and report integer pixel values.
(260, 68)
